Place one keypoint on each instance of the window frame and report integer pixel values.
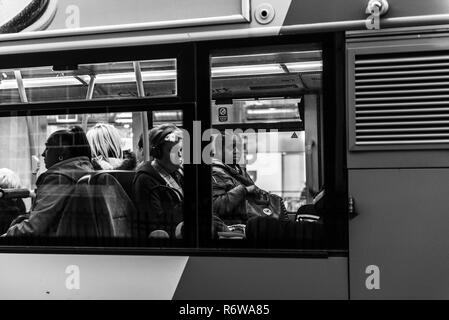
(332, 132)
(194, 89)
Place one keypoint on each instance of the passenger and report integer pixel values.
(158, 184)
(231, 184)
(67, 157)
(107, 152)
(140, 152)
(10, 209)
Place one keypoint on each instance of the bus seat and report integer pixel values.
(263, 231)
(267, 232)
(112, 205)
(307, 212)
(77, 219)
(98, 208)
(124, 177)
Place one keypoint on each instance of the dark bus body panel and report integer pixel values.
(401, 227)
(173, 277)
(399, 190)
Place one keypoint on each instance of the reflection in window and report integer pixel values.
(281, 168)
(89, 81)
(85, 176)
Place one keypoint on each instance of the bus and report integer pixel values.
(340, 112)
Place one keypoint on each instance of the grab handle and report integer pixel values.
(14, 193)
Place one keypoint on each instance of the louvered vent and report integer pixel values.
(402, 99)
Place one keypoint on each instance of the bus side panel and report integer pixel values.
(264, 278)
(398, 241)
(60, 276)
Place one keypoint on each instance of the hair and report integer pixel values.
(74, 140)
(140, 142)
(161, 134)
(9, 179)
(105, 141)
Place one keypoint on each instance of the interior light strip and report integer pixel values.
(261, 69)
(271, 111)
(235, 71)
(128, 77)
(306, 66)
(107, 78)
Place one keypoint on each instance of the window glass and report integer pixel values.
(277, 165)
(266, 174)
(89, 81)
(84, 176)
(243, 111)
(172, 116)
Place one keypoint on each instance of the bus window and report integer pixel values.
(89, 81)
(266, 170)
(88, 180)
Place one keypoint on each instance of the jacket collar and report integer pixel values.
(149, 170)
(73, 167)
(242, 176)
(216, 162)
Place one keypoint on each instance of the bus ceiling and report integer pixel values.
(287, 73)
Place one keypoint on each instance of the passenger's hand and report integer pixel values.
(19, 219)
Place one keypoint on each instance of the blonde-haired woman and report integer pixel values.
(10, 209)
(107, 152)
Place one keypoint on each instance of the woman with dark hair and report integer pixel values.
(67, 157)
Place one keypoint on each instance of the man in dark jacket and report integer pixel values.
(231, 184)
(67, 156)
(158, 185)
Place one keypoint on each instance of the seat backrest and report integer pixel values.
(267, 232)
(78, 218)
(124, 177)
(113, 207)
(98, 208)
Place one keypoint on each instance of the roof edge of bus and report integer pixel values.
(132, 27)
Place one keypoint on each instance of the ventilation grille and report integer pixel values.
(402, 100)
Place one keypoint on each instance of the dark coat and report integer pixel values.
(158, 206)
(54, 188)
(229, 193)
(10, 209)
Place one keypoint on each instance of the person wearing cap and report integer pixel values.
(158, 185)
